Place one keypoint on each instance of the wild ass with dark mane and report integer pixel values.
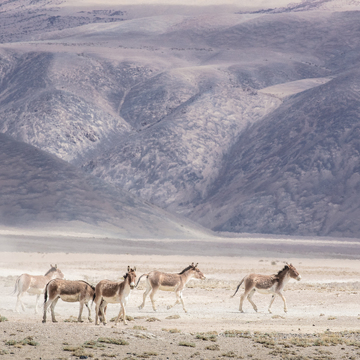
(267, 284)
(69, 291)
(157, 280)
(35, 285)
(112, 292)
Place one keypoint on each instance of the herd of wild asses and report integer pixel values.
(54, 287)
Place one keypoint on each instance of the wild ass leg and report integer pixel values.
(37, 303)
(243, 296)
(46, 305)
(101, 310)
(284, 300)
(148, 289)
(178, 300)
(271, 302)
(80, 311)
(251, 294)
(182, 301)
(152, 294)
(19, 302)
(89, 310)
(123, 313)
(52, 307)
(97, 309)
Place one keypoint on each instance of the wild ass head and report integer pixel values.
(197, 274)
(130, 277)
(293, 272)
(54, 272)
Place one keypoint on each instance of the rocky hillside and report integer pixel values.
(240, 118)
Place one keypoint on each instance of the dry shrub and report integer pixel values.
(214, 347)
(173, 317)
(237, 333)
(138, 327)
(147, 354)
(152, 319)
(71, 319)
(128, 318)
(113, 341)
(187, 344)
(230, 354)
(209, 336)
(172, 331)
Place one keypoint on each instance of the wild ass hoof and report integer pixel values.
(270, 311)
(90, 320)
(44, 321)
(54, 321)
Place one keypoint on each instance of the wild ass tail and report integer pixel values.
(238, 287)
(140, 279)
(46, 292)
(16, 290)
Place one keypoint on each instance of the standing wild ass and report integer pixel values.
(112, 292)
(69, 291)
(34, 284)
(267, 284)
(157, 280)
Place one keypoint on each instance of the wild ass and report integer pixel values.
(69, 291)
(267, 284)
(34, 284)
(157, 280)
(112, 292)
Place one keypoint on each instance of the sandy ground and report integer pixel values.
(323, 321)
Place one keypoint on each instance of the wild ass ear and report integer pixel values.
(196, 265)
(51, 266)
(134, 268)
(128, 268)
(192, 264)
(55, 266)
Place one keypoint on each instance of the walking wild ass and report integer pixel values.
(69, 291)
(34, 284)
(267, 284)
(157, 280)
(112, 292)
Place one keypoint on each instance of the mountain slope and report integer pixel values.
(297, 171)
(186, 107)
(39, 191)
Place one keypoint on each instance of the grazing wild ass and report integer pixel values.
(267, 284)
(69, 291)
(34, 284)
(157, 280)
(112, 292)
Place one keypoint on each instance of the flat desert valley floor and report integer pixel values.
(323, 321)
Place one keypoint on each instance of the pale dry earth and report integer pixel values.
(325, 304)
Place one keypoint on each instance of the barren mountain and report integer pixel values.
(40, 191)
(238, 117)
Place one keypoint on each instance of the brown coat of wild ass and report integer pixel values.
(267, 284)
(157, 280)
(69, 291)
(112, 292)
(35, 285)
